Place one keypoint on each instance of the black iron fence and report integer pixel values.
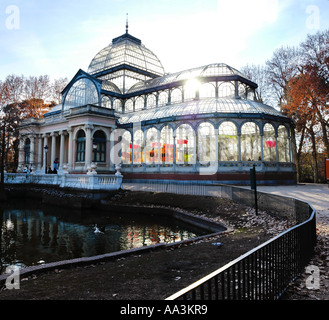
(264, 272)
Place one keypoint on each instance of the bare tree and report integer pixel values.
(283, 66)
(56, 89)
(257, 74)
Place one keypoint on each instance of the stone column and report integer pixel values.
(39, 161)
(45, 143)
(53, 149)
(20, 154)
(32, 160)
(70, 151)
(61, 151)
(89, 144)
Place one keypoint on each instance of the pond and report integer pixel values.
(32, 235)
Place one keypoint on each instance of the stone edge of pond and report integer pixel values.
(213, 227)
(83, 261)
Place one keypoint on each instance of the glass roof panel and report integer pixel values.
(110, 86)
(202, 106)
(219, 69)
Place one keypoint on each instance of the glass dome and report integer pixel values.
(126, 50)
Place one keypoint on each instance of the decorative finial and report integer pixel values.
(127, 23)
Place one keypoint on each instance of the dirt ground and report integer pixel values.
(157, 274)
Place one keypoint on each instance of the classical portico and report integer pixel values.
(73, 143)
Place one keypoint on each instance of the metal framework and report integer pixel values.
(209, 113)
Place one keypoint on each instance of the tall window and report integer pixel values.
(152, 146)
(283, 144)
(167, 144)
(138, 146)
(99, 146)
(81, 146)
(126, 154)
(228, 142)
(269, 144)
(250, 142)
(206, 142)
(185, 143)
(27, 150)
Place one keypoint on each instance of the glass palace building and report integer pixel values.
(202, 124)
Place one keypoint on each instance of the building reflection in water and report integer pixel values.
(32, 236)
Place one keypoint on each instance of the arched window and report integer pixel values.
(167, 144)
(139, 104)
(228, 149)
(163, 99)
(283, 144)
(206, 143)
(106, 102)
(81, 146)
(99, 146)
(129, 106)
(226, 89)
(250, 142)
(269, 143)
(81, 93)
(27, 151)
(117, 105)
(185, 144)
(151, 101)
(207, 90)
(126, 154)
(191, 88)
(176, 96)
(138, 146)
(152, 146)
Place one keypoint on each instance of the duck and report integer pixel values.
(99, 230)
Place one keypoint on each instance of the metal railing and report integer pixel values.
(262, 273)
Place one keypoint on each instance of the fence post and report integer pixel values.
(253, 185)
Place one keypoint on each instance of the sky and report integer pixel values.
(57, 38)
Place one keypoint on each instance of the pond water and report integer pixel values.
(31, 236)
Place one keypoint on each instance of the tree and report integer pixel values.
(315, 53)
(257, 74)
(307, 96)
(283, 66)
(56, 89)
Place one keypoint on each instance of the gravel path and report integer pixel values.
(313, 284)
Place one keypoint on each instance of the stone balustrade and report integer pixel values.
(65, 180)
